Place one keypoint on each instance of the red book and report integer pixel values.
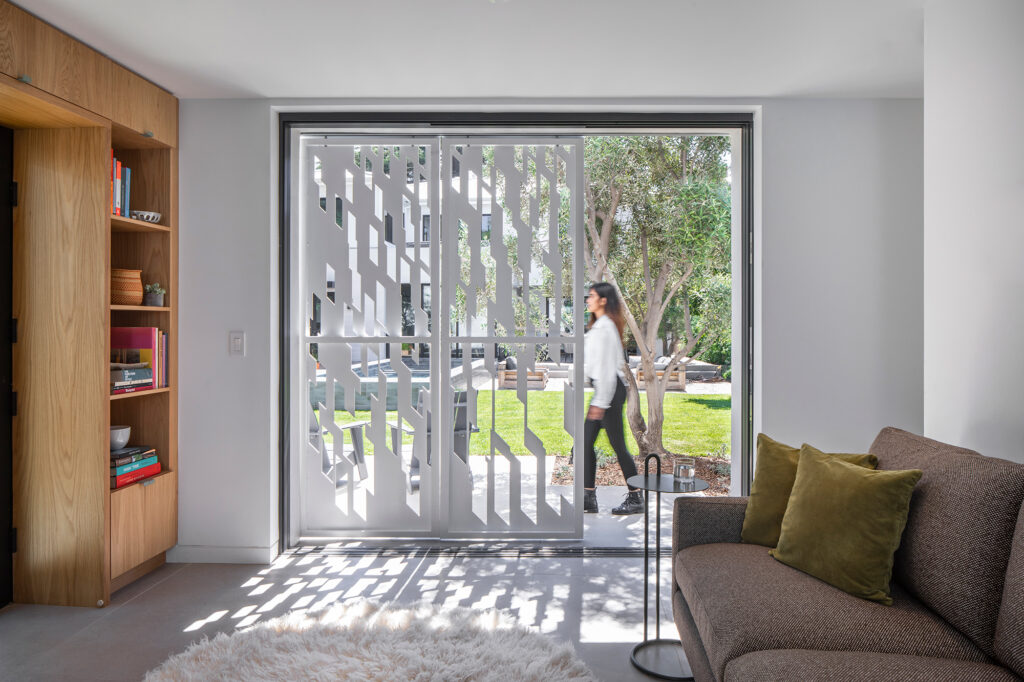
(117, 190)
(132, 476)
(131, 389)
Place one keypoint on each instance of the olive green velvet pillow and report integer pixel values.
(774, 474)
(844, 523)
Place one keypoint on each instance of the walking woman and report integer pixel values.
(603, 361)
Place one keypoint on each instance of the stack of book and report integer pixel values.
(120, 187)
(138, 359)
(132, 464)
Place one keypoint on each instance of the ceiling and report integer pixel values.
(507, 48)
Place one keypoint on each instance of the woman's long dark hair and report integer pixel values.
(612, 306)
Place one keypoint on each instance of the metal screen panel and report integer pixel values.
(367, 266)
(425, 264)
(512, 211)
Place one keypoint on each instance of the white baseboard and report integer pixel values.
(210, 554)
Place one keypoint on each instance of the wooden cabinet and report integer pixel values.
(79, 541)
(143, 522)
(44, 57)
(39, 54)
(144, 108)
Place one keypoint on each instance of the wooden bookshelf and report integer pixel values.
(78, 540)
(137, 394)
(142, 308)
(122, 224)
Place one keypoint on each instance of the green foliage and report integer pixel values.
(154, 288)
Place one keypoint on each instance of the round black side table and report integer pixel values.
(658, 657)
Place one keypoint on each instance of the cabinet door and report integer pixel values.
(53, 61)
(143, 107)
(161, 514)
(17, 36)
(127, 529)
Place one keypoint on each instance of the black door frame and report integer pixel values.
(573, 121)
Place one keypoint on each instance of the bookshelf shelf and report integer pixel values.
(142, 308)
(136, 394)
(122, 224)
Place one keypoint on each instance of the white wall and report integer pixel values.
(841, 271)
(840, 244)
(974, 226)
(227, 421)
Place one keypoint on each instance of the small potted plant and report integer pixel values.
(154, 295)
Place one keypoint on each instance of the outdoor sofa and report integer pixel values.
(958, 585)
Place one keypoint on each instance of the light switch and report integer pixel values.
(236, 343)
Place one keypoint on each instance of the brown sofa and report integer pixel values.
(958, 585)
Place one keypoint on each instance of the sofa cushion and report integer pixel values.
(800, 664)
(962, 517)
(774, 475)
(844, 522)
(1009, 640)
(742, 600)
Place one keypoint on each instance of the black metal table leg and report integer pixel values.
(662, 658)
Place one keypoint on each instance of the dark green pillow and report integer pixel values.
(774, 474)
(844, 523)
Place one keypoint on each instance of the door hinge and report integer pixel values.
(14, 403)
(14, 194)
(14, 330)
(12, 540)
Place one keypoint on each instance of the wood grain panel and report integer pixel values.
(53, 61)
(161, 514)
(23, 106)
(143, 107)
(134, 574)
(122, 224)
(17, 32)
(127, 529)
(171, 299)
(61, 296)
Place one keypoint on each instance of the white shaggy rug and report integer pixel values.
(365, 640)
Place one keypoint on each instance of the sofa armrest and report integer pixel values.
(703, 520)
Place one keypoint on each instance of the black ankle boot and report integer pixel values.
(633, 504)
(589, 501)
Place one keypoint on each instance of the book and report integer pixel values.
(133, 476)
(132, 466)
(127, 192)
(128, 459)
(136, 344)
(117, 187)
(117, 375)
(138, 383)
(163, 359)
(132, 389)
(129, 450)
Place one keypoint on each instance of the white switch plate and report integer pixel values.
(236, 343)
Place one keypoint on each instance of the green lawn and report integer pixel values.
(694, 424)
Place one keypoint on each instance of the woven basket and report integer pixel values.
(125, 287)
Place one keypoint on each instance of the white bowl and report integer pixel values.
(147, 216)
(119, 436)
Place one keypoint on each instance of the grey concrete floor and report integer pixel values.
(595, 603)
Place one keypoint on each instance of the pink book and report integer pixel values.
(136, 344)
